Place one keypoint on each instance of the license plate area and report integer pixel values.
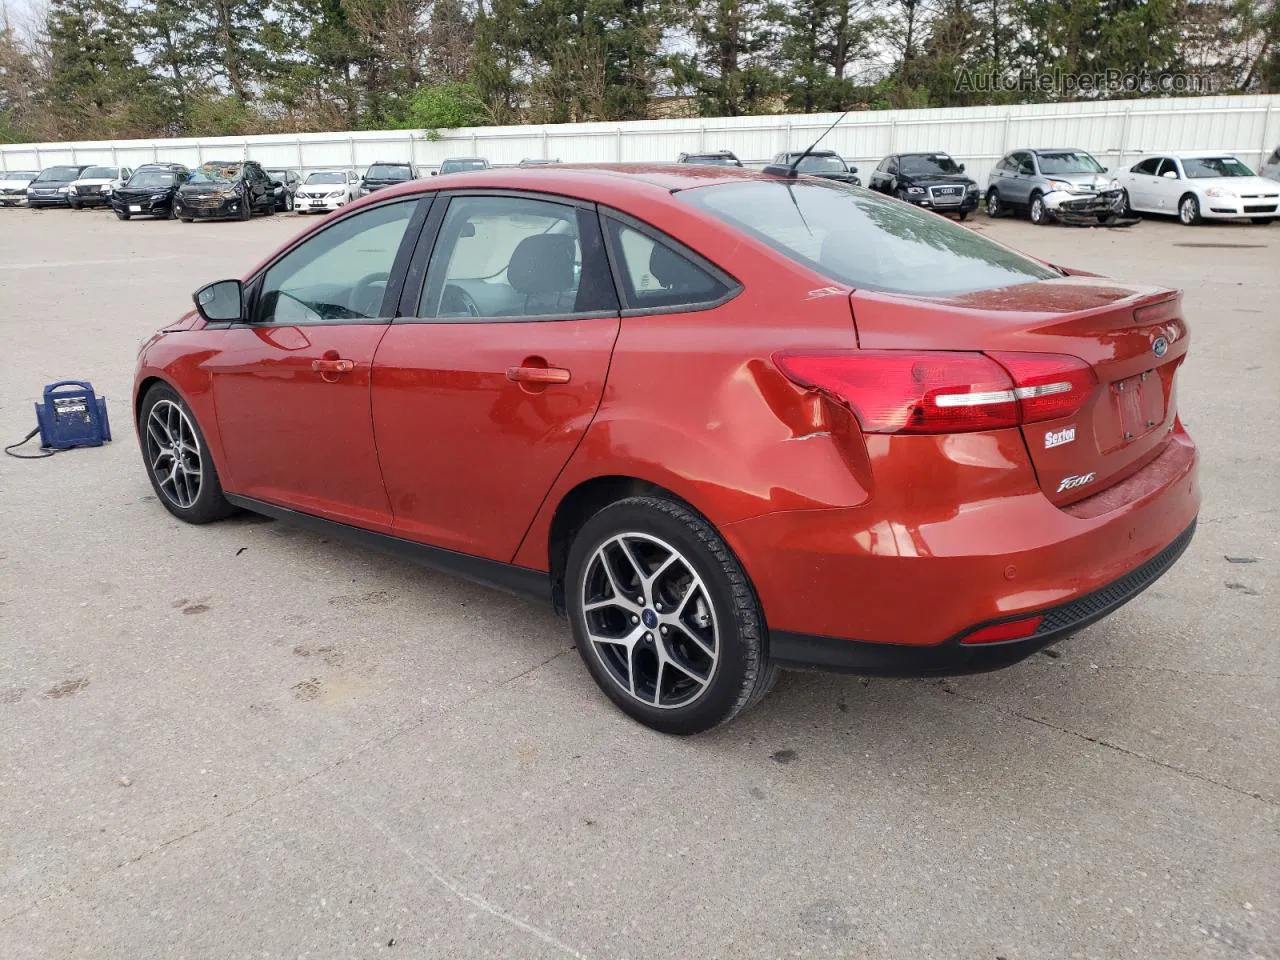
(135, 208)
(1139, 404)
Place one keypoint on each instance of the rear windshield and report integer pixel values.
(151, 178)
(1201, 168)
(923, 165)
(820, 164)
(388, 171)
(1062, 162)
(216, 173)
(717, 160)
(59, 173)
(864, 240)
(327, 178)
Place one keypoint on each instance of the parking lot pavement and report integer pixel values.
(245, 740)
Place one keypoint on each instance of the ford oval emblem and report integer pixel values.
(1160, 346)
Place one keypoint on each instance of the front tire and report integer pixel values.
(664, 616)
(1039, 213)
(1189, 210)
(962, 216)
(177, 459)
(122, 214)
(995, 206)
(246, 207)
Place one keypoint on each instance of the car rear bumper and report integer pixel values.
(915, 576)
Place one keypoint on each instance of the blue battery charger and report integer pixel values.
(71, 415)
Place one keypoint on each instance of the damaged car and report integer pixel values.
(1062, 184)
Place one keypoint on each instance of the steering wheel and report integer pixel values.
(455, 301)
(366, 300)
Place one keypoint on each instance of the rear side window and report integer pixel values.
(865, 240)
(654, 274)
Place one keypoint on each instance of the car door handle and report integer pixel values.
(538, 374)
(333, 366)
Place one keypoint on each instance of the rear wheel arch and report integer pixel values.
(583, 502)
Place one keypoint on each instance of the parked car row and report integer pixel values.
(1067, 185)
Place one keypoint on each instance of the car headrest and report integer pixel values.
(673, 271)
(542, 263)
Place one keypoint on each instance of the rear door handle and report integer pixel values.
(333, 366)
(538, 374)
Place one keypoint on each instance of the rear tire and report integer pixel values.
(177, 460)
(692, 655)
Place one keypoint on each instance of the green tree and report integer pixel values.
(732, 71)
(820, 41)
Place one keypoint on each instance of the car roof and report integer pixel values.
(925, 153)
(447, 159)
(1040, 150)
(617, 181)
(1194, 154)
(812, 153)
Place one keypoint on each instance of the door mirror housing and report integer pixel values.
(1104, 169)
(1170, 175)
(853, 169)
(962, 168)
(221, 302)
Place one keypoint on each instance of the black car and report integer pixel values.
(150, 191)
(53, 187)
(383, 174)
(930, 180)
(226, 189)
(720, 158)
(820, 163)
(287, 192)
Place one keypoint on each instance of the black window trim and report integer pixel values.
(733, 285)
(253, 285)
(416, 274)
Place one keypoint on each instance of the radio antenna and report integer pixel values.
(789, 170)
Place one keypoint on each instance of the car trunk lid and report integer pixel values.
(1132, 337)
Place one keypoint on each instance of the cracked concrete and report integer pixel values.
(263, 743)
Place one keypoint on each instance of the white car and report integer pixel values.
(13, 186)
(94, 187)
(1208, 185)
(326, 190)
(1271, 168)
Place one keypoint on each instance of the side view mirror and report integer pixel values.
(1170, 175)
(221, 302)
(435, 173)
(853, 169)
(962, 168)
(1104, 169)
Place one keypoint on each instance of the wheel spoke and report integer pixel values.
(174, 453)
(154, 426)
(631, 559)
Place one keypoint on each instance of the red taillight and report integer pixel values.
(894, 391)
(1048, 386)
(1009, 630)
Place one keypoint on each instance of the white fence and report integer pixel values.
(1114, 131)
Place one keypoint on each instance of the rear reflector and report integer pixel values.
(1009, 630)
(894, 391)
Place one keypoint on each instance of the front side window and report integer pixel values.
(655, 275)
(500, 257)
(1060, 163)
(866, 240)
(1204, 168)
(340, 274)
(1026, 166)
(1148, 167)
(1167, 166)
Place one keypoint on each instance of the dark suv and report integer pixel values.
(931, 180)
(382, 174)
(226, 189)
(150, 191)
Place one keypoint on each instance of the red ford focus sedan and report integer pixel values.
(727, 422)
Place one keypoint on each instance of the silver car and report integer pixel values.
(1063, 184)
(1271, 167)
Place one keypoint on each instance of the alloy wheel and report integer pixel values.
(1188, 211)
(650, 620)
(173, 453)
(993, 204)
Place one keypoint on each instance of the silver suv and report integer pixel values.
(1271, 167)
(1059, 184)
